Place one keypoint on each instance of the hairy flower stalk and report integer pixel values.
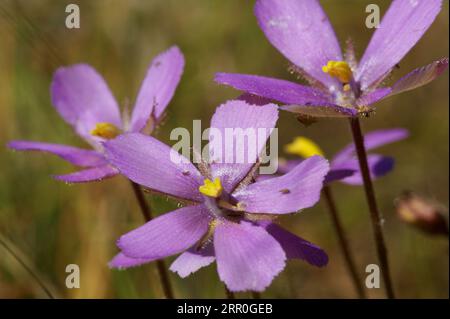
(375, 216)
(160, 264)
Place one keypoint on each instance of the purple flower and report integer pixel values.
(344, 165)
(230, 217)
(83, 100)
(340, 87)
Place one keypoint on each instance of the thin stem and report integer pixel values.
(345, 247)
(145, 208)
(147, 213)
(373, 208)
(229, 294)
(256, 295)
(27, 268)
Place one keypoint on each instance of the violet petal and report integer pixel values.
(420, 76)
(248, 258)
(282, 91)
(296, 190)
(298, 248)
(232, 158)
(192, 260)
(92, 174)
(76, 156)
(167, 234)
(301, 31)
(158, 87)
(79, 90)
(153, 164)
(402, 26)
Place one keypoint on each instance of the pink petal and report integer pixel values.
(231, 158)
(120, 261)
(248, 258)
(158, 87)
(286, 166)
(166, 235)
(74, 155)
(420, 76)
(301, 31)
(148, 162)
(298, 189)
(372, 140)
(253, 99)
(373, 97)
(378, 166)
(79, 93)
(320, 111)
(93, 174)
(402, 26)
(279, 90)
(296, 247)
(192, 260)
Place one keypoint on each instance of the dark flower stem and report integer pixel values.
(147, 213)
(373, 208)
(345, 247)
(256, 295)
(230, 294)
(27, 268)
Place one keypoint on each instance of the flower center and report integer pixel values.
(210, 188)
(303, 147)
(340, 70)
(105, 130)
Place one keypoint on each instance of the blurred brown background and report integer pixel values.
(52, 224)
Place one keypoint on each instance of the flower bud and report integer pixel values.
(422, 213)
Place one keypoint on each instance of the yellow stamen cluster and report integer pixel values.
(211, 189)
(105, 130)
(304, 147)
(340, 70)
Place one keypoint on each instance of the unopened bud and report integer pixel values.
(422, 213)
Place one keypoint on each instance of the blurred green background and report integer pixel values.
(51, 224)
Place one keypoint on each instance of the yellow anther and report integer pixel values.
(338, 69)
(105, 130)
(211, 189)
(303, 147)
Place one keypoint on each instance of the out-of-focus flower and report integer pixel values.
(422, 213)
(231, 217)
(83, 100)
(344, 165)
(339, 86)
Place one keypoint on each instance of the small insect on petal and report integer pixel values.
(210, 188)
(186, 173)
(105, 130)
(304, 147)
